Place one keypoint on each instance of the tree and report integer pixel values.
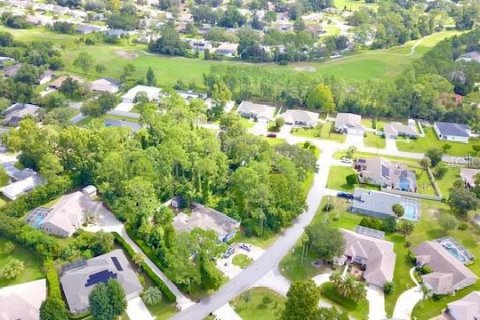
(425, 163)
(8, 248)
(151, 80)
(320, 98)
(128, 70)
(388, 287)
(302, 301)
(448, 222)
(100, 68)
(53, 308)
(435, 156)
(152, 296)
(462, 200)
(84, 61)
(54, 100)
(138, 258)
(350, 152)
(12, 268)
(4, 178)
(398, 209)
(105, 102)
(326, 242)
(405, 227)
(169, 43)
(107, 301)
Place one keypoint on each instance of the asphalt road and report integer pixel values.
(272, 257)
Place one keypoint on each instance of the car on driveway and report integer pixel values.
(229, 252)
(271, 135)
(345, 195)
(346, 160)
(244, 247)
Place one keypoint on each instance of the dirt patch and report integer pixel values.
(305, 69)
(435, 213)
(127, 55)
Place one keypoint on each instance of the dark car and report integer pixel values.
(229, 252)
(345, 195)
(244, 247)
(271, 135)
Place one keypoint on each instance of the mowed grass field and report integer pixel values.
(361, 66)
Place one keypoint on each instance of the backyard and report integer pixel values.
(325, 132)
(32, 264)
(337, 179)
(430, 140)
(259, 303)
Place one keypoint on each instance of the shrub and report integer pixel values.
(8, 248)
(388, 287)
(351, 179)
(52, 279)
(463, 226)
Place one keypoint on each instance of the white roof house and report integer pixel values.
(469, 176)
(261, 112)
(394, 129)
(68, 214)
(227, 49)
(467, 308)
(376, 255)
(79, 280)
(349, 123)
(449, 131)
(16, 189)
(300, 118)
(128, 99)
(105, 85)
(22, 301)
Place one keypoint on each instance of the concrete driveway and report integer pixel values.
(391, 144)
(259, 129)
(274, 280)
(226, 313)
(136, 309)
(376, 301)
(406, 302)
(228, 268)
(354, 140)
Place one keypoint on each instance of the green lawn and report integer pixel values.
(163, 310)
(259, 303)
(446, 183)
(32, 264)
(325, 133)
(430, 140)
(241, 260)
(358, 310)
(369, 123)
(262, 242)
(375, 141)
(337, 179)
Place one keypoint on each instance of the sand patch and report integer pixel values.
(127, 55)
(305, 69)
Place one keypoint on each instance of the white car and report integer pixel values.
(346, 160)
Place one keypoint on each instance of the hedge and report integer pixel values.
(146, 268)
(52, 280)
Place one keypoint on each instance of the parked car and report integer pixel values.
(244, 247)
(345, 195)
(271, 135)
(346, 160)
(229, 252)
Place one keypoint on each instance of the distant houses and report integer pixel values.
(466, 308)
(21, 187)
(79, 279)
(122, 124)
(393, 130)
(375, 256)
(19, 111)
(469, 176)
(455, 132)
(105, 85)
(22, 301)
(256, 111)
(349, 123)
(227, 49)
(449, 274)
(300, 118)
(206, 219)
(386, 174)
(129, 98)
(380, 204)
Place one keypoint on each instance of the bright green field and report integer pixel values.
(337, 179)
(31, 262)
(259, 303)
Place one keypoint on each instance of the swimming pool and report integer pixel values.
(37, 215)
(411, 212)
(456, 250)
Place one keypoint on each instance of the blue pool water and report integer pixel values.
(411, 212)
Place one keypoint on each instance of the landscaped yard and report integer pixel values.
(375, 141)
(163, 310)
(446, 183)
(358, 310)
(259, 303)
(325, 133)
(32, 264)
(337, 179)
(430, 140)
(241, 260)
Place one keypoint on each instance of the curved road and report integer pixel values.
(271, 258)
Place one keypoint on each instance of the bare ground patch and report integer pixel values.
(127, 55)
(305, 69)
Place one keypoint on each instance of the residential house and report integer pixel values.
(68, 214)
(300, 118)
(18, 188)
(227, 49)
(88, 28)
(11, 71)
(473, 56)
(5, 61)
(122, 124)
(57, 83)
(380, 204)
(449, 274)
(394, 129)
(349, 123)
(46, 77)
(129, 98)
(79, 279)
(256, 111)
(466, 308)
(16, 174)
(375, 256)
(105, 85)
(206, 219)
(469, 176)
(19, 111)
(22, 301)
(452, 131)
(386, 174)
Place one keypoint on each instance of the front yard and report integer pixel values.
(337, 179)
(430, 140)
(259, 303)
(326, 132)
(374, 140)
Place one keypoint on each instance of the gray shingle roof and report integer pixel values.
(452, 129)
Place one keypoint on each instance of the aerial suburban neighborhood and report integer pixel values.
(231, 159)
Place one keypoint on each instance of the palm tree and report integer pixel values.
(336, 278)
(152, 296)
(347, 286)
(359, 291)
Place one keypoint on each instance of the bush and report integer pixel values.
(52, 279)
(388, 287)
(351, 179)
(8, 248)
(463, 226)
(146, 268)
(424, 270)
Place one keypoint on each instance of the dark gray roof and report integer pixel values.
(379, 202)
(453, 129)
(122, 124)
